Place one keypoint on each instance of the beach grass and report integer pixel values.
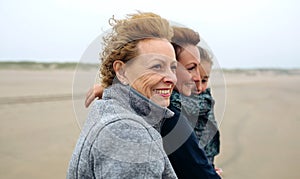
(31, 65)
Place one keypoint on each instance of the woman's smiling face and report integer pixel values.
(189, 59)
(152, 72)
(185, 83)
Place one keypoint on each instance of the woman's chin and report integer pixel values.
(161, 101)
(196, 92)
(186, 91)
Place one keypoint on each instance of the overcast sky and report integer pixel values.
(241, 34)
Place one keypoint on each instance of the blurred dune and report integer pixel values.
(39, 122)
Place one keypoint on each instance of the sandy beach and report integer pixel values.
(39, 123)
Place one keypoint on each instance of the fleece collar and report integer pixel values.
(132, 100)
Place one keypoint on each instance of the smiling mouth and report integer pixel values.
(164, 91)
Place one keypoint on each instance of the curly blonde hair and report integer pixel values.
(121, 42)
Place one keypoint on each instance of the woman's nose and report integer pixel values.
(196, 76)
(170, 77)
(199, 86)
(197, 80)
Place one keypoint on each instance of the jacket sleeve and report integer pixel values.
(187, 158)
(126, 149)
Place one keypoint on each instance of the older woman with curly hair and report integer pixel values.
(119, 139)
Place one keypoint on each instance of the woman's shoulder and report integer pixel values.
(130, 129)
(121, 121)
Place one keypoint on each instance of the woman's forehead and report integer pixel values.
(156, 45)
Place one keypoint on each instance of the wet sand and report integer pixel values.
(39, 128)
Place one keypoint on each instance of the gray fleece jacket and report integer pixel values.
(118, 139)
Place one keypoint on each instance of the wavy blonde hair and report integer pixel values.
(121, 42)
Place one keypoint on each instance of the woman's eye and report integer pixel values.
(156, 67)
(191, 68)
(174, 67)
(204, 81)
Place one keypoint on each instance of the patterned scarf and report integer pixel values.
(199, 109)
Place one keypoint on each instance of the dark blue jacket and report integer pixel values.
(181, 144)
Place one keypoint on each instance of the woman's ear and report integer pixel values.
(119, 68)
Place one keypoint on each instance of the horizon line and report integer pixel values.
(28, 61)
